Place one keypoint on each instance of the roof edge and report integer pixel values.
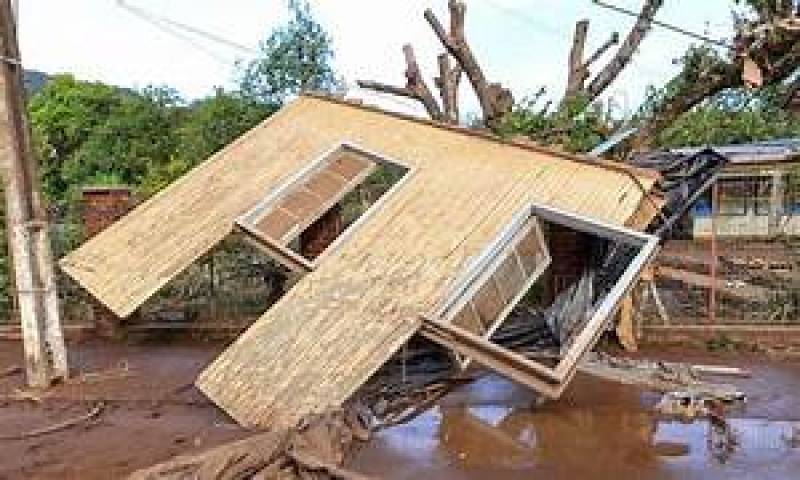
(525, 145)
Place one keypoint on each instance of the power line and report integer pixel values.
(185, 32)
(554, 31)
(667, 26)
(176, 29)
(526, 18)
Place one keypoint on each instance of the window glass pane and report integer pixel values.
(763, 195)
(734, 194)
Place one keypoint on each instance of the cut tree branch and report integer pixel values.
(448, 82)
(623, 56)
(578, 68)
(415, 88)
(577, 73)
(495, 100)
(613, 40)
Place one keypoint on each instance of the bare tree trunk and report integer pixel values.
(416, 83)
(495, 100)
(577, 75)
(448, 82)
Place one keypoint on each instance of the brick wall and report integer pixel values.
(102, 206)
(569, 250)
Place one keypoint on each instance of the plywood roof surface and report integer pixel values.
(342, 321)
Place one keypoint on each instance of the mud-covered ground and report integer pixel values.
(598, 430)
(151, 412)
(491, 429)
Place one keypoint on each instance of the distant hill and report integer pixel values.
(34, 81)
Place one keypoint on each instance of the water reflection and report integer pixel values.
(610, 434)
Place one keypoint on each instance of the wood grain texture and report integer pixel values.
(342, 321)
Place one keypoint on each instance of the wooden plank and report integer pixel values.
(504, 361)
(744, 291)
(285, 256)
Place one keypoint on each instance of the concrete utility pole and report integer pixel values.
(29, 245)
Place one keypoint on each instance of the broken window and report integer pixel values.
(489, 292)
(499, 279)
(343, 185)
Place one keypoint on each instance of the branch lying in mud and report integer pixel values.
(316, 448)
(57, 427)
(13, 370)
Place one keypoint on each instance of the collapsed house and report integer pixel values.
(463, 232)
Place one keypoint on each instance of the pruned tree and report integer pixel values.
(767, 35)
(416, 88)
(448, 82)
(495, 101)
(578, 71)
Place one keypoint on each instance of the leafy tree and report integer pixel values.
(733, 116)
(576, 126)
(88, 133)
(761, 36)
(206, 126)
(297, 56)
(214, 122)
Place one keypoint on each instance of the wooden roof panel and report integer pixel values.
(342, 321)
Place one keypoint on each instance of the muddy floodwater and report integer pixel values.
(495, 430)
(491, 429)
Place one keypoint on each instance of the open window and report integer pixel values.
(483, 299)
(494, 283)
(348, 180)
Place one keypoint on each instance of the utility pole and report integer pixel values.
(28, 239)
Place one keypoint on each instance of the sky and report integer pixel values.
(523, 44)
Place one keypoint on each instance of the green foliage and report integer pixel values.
(295, 57)
(576, 125)
(734, 116)
(214, 122)
(89, 133)
(206, 126)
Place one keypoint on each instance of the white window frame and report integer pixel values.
(247, 223)
(551, 381)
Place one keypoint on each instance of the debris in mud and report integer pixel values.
(57, 427)
(10, 371)
(315, 449)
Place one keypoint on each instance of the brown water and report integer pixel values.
(494, 430)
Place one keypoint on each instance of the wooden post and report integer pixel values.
(626, 332)
(712, 292)
(29, 244)
(776, 209)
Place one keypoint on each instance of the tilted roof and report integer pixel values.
(342, 321)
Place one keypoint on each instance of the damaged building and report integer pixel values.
(465, 226)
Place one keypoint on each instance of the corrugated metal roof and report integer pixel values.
(779, 150)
